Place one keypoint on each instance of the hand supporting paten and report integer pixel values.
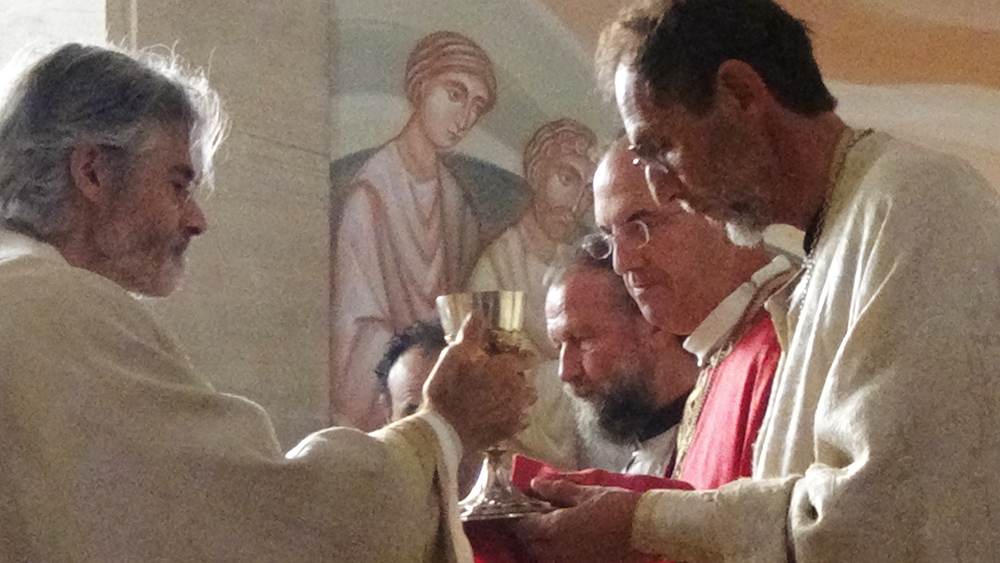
(595, 525)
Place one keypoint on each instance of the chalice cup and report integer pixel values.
(493, 496)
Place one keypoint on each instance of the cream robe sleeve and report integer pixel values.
(905, 310)
(113, 450)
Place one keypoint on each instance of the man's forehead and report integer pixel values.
(620, 193)
(640, 111)
(588, 293)
(415, 363)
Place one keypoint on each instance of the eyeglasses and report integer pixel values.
(648, 156)
(632, 235)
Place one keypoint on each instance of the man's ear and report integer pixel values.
(91, 171)
(738, 83)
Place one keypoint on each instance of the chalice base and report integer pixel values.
(493, 497)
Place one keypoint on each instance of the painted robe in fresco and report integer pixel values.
(399, 245)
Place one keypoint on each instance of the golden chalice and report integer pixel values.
(493, 496)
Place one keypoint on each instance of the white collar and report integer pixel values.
(15, 245)
(713, 332)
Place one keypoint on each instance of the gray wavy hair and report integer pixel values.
(81, 93)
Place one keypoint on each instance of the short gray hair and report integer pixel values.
(81, 93)
(575, 260)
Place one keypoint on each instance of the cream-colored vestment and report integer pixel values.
(882, 439)
(113, 450)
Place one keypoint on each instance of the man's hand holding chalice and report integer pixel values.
(483, 395)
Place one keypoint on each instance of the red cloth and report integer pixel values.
(722, 447)
(493, 541)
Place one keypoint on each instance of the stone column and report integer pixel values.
(253, 310)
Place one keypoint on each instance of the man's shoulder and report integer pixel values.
(498, 197)
(34, 275)
(911, 173)
(45, 293)
(510, 243)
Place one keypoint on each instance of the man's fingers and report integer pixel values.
(561, 492)
(516, 363)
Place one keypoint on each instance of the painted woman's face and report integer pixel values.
(450, 104)
(563, 196)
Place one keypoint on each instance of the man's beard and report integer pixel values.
(620, 415)
(744, 217)
(741, 189)
(745, 233)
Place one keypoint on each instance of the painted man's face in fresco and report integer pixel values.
(450, 105)
(563, 196)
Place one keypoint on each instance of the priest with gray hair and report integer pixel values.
(111, 447)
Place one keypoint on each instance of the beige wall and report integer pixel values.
(867, 41)
(40, 23)
(253, 309)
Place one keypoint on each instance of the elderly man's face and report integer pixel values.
(450, 104)
(611, 358)
(563, 196)
(146, 226)
(711, 162)
(672, 273)
(597, 340)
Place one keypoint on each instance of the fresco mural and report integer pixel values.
(414, 221)
(559, 168)
(440, 110)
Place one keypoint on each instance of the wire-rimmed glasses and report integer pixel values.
(631, 235)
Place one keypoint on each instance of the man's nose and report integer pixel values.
(466, 119)
(194, 218)
(625, 258)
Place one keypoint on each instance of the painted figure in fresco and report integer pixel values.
(410, 227)
(559, 168)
